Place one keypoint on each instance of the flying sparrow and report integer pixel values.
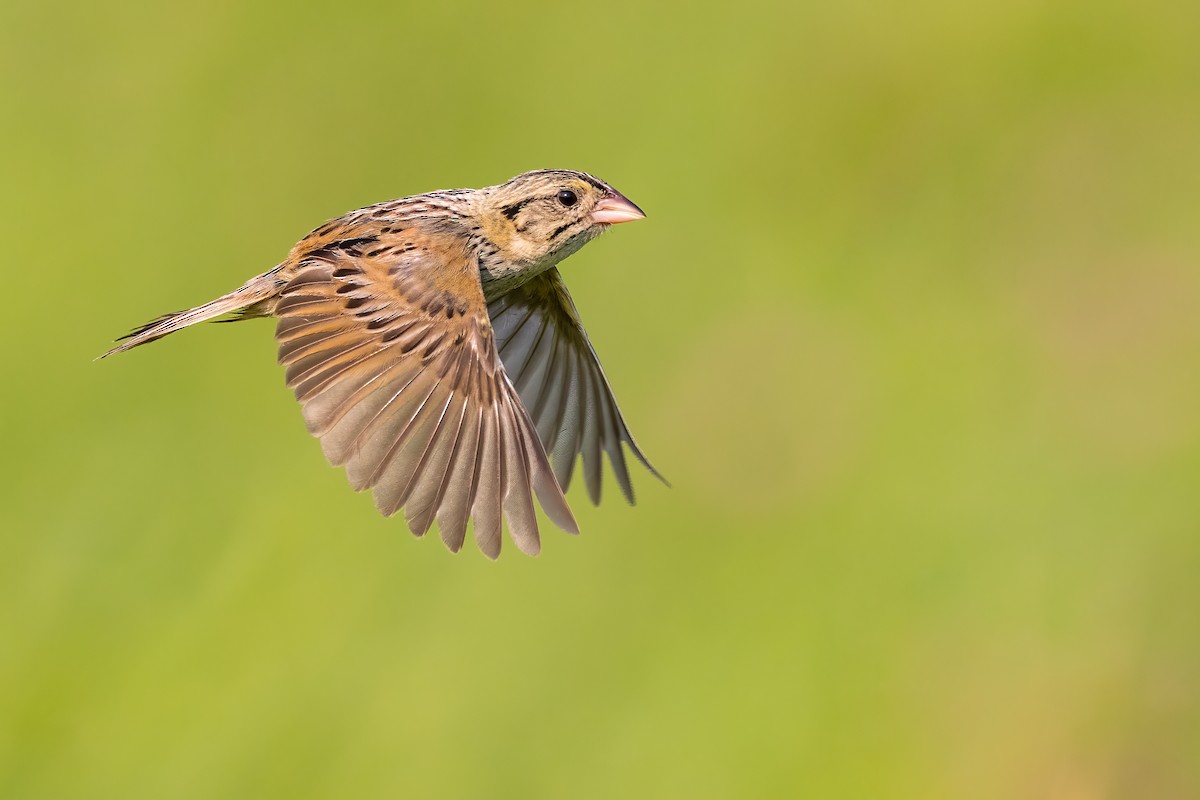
(438, 356)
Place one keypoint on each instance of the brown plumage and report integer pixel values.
(437, 354)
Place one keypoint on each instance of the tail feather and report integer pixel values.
(240, 302)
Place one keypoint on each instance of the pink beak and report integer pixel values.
(614, 209)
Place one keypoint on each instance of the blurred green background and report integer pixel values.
(912, 328)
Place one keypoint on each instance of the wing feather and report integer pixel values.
(455, 508)
(488, 475)
(544, 348)
(395, 363)
(426, 495)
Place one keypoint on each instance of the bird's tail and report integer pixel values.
(242, 303)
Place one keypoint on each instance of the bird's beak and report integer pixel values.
(616, 208)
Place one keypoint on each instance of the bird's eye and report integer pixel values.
(567, 198)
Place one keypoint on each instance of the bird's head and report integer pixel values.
(539, 218)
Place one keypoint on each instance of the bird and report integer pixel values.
(438, 356)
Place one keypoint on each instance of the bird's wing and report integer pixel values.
(393, 357)
(555, 370)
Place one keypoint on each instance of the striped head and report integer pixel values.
(539, 218)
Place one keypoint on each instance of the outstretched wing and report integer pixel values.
(393, 357)
(555, 370)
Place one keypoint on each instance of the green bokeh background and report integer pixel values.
(912, 328)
